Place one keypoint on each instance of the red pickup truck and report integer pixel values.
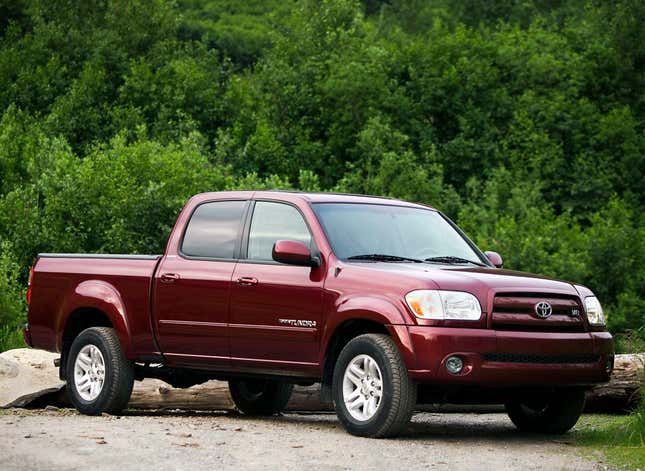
(386, 303)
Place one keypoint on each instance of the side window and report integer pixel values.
(214, 229)
(272, 222)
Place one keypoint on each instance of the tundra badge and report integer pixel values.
(297, 322)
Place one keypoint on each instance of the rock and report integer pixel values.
(27, 374)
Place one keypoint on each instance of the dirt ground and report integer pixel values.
(64, 440)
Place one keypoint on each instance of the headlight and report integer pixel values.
(440, 305)
(595, 316)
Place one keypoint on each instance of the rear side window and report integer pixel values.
(272, 222)
(214, 229)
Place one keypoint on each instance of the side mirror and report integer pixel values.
(495, 258)
(294, 252)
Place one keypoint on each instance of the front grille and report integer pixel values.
(541, 359)
(516, 311)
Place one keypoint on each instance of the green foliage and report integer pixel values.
(522, 120)
(620, 438)
(12, 296)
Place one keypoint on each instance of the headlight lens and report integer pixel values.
(595, 316)
(440, 305)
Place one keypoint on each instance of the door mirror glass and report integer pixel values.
(495, 258)
(294, 252)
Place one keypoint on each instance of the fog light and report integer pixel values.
(454, 365)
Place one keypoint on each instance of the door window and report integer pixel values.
(272, 222)
(213, 230)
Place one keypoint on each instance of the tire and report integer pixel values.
(260, 396)
(381, 412)
(113, 393)
(551, 412)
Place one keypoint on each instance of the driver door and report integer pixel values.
(276, 309)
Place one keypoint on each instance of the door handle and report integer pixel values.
(169, 277)
(247, 281)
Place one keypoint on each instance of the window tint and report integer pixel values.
(213, 230)
(272, 222)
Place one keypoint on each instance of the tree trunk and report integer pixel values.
(27, 376)
(212, 395)
(620, 395)
(623, 392)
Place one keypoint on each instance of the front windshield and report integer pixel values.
(356, 230)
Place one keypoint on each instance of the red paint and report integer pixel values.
(245, 316)
(293, 252)
(495, 258)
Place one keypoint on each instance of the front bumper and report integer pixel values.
(507, 358)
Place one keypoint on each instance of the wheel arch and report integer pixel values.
(94, 303)
(355, 322)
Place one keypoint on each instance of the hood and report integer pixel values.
(476, 280)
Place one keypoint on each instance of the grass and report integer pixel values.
(620, 438)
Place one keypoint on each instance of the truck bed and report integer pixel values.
(63, 281)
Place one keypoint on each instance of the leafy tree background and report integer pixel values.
(523, 120)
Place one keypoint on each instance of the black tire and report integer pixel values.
(260, 396)
(551, 412)
(119, 373)
(399, 392)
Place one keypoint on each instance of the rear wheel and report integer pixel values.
(259, 396)
(99, 377)
(373, 394)
(552, 411)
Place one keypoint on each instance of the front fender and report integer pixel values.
(102, 296)
(375, 309)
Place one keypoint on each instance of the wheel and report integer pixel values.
(373, 394)
(99, 377)
(260, 396)
(552, 411)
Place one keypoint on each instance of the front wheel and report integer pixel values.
(259, 396)
(551, 411)
(99, 377)
(373, 394)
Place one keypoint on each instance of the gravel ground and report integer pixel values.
(65, 440)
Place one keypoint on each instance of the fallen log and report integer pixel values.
(623, 392)
(28, 378)
(211, 395)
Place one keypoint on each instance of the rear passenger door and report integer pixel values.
(192, 289)
(267, 296)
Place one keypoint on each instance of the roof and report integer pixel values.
(312, 197)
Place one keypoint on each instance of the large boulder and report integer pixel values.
(26, 375)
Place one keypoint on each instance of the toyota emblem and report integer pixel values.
(543, 309)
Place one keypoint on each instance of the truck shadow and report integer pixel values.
(445, 427)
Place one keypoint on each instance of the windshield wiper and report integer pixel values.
(381, 257)
(452, 259)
